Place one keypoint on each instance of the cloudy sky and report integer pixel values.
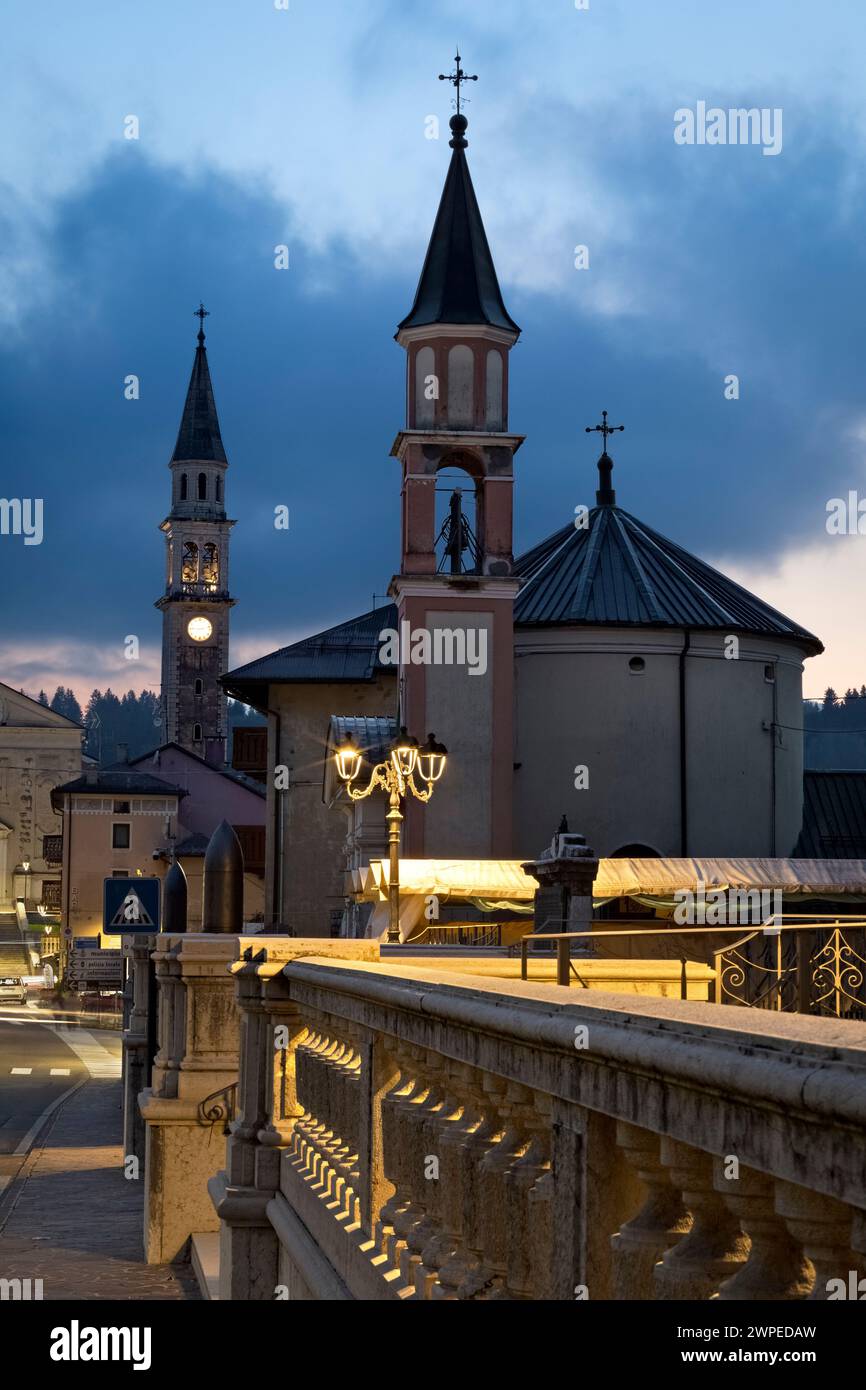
(308, 126)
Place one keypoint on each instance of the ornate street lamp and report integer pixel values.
(397, 778)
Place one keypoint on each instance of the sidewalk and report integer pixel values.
(72, 1219)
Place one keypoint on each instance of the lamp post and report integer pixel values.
(396, 777)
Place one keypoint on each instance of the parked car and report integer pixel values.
(12, 989)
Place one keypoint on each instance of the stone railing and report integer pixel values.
(437, 1136)
(192, 1096)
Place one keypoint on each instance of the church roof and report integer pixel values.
(616, 571)
(348, 652)
(458, 283)
(199, 439)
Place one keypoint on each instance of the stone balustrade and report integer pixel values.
(408, 1135)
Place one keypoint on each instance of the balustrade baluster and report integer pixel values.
(823, 1227)
(776, 1269)
(715, 1247)
(661, 1222)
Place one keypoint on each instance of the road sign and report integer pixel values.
(130, 905)
(96, 967)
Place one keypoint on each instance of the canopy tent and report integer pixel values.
(503, 882)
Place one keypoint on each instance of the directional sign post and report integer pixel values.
(131, 905)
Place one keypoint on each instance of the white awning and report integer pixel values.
(504, 878)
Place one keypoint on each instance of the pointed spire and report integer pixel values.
(458, 283)
(199, 438)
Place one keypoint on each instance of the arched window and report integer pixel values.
(196, 733)
(210, 569)
(457, 546)
(461, 386)
(189, 573)
(426, 387)
(218, 489)
(494, 390)
(183, 487)
(202, 487)
(198, 686)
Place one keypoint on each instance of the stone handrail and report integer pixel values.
(442, 1136)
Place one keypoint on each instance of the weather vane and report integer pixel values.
(604, 428)
(457, 78)
(201, 313)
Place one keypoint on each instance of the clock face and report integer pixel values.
(199, 629)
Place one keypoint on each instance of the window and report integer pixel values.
(120, 873)
(770, 674)
(461, 387)
(636, 665)
(121, 808)
(196, 733)
(494, 390)
(426, 388)
(183, 487)
(120, 835)
(218, 490)
(198, 687)
(202, 487)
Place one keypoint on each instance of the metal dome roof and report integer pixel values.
(616, 571)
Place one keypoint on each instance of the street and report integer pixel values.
(41, 1061)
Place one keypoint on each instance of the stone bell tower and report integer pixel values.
(196, 603)
(455, 581)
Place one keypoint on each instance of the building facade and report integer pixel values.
(38, 749)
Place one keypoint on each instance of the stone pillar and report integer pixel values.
(135, 1043)
(568, 867)
(183, 1145)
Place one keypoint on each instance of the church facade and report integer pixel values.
(624, 682)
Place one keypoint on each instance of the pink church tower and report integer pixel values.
(456, 574)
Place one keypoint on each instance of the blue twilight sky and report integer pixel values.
(308, 125)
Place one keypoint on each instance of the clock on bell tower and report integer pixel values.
(196, 603)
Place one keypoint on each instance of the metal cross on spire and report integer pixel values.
(604, 429)
(458, 77)
(201, 313)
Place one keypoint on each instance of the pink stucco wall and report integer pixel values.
(211, 797)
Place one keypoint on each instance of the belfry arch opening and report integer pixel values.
(458, 519)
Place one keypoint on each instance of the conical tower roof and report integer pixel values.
(199, 439)
(458, 283)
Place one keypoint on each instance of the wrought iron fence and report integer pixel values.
(817, 967)
(812, 966)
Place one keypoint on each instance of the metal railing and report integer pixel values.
(809, 967)
(458, 934)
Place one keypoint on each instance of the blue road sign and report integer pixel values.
(130, 905)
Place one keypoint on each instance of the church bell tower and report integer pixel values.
(456, 580)
(196, 603)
